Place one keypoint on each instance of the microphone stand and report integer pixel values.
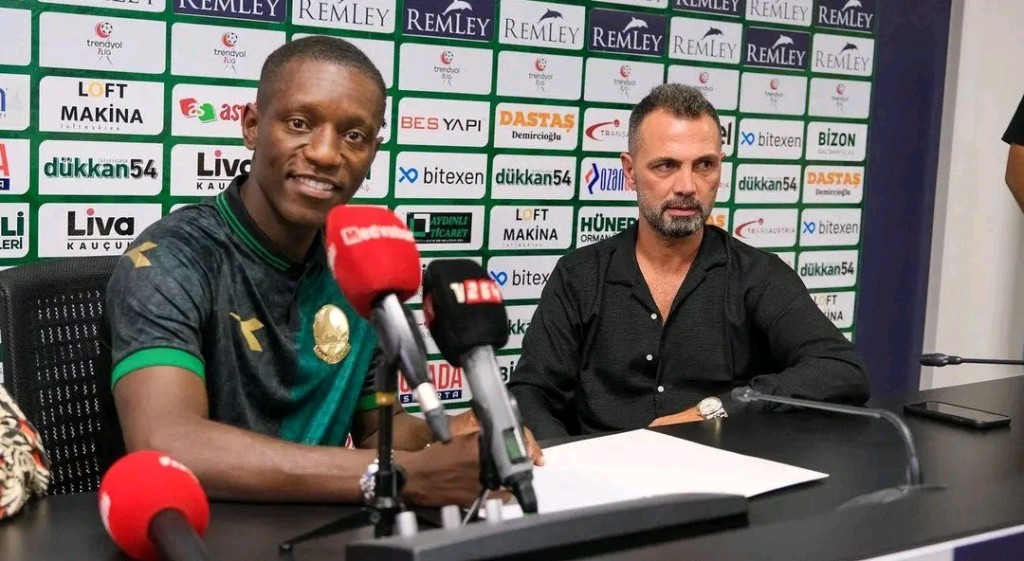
(914, 483)
(388, 481)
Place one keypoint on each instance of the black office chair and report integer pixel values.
(56, 364)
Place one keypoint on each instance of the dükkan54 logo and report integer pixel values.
(90, 168)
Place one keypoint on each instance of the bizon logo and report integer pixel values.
(444, 228)
(705, 40)
(15, 91)
(377, 16)
(544, 76)
(255, 10)
(829, 227)
(541, 24)
(443, 122)
(778, 94)
(833, 184)
(472, 20)
(596, 223)
(522, 227)
(520, 125)
(775, 48)
(533, 177)
(734, 8)
(837, 306)
(222, 52)
(841, 54)
(720, 86)
(604, 180)
(92, 229)
(774, 227)
(200, 171)
(521, 277)
(100, 168)
(14, 172)
(837, 141)
(619, 81)
(632, 33)
(96, 106)
(771, 139)
(214, 111)
(435, 175)
(839, 98)
(101, 43)
(768, 183)
(14, 230)
(445, 69)
(605, 130)
(792, 12)
(849, 15)
(828, 269)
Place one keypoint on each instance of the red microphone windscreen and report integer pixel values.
(140, 485)
(371, 254)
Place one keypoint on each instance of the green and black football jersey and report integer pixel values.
(280, 349)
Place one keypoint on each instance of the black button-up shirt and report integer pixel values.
(598, 357)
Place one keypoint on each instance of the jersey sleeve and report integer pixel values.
(157, 302)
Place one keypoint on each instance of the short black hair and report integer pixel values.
(685, 102)
(315, 47)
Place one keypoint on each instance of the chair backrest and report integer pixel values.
(56, 364)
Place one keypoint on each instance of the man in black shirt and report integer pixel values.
(1014, 136)
(657, 324)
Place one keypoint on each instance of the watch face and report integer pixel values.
(709, 405)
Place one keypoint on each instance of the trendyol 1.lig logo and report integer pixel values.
(105, 48)
(227, 51)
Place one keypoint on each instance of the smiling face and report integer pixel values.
(675, 167)
(313, 141)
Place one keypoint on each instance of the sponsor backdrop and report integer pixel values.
(504, 123)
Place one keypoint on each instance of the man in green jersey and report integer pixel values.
(233, 349)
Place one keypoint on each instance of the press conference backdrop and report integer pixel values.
(504, 123)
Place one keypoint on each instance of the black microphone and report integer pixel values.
(467, 319)
(913, 472)
(940, 360)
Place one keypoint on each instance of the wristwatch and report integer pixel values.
(368, 481)
(711, 408)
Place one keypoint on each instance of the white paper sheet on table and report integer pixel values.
(643, 463)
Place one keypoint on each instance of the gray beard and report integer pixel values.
(674, 226)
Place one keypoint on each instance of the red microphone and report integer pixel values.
(154, 508)
(374, 258)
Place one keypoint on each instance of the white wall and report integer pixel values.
(976, 283)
